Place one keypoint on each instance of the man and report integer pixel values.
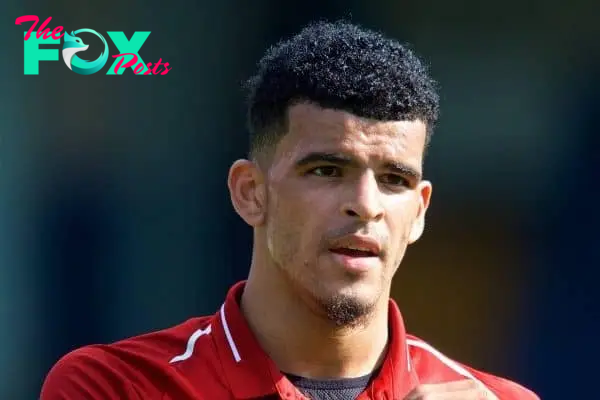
(340, 118)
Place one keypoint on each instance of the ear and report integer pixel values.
(424, 191)
(247, 191)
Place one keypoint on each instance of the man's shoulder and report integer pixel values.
(133, 368)
(432, 366)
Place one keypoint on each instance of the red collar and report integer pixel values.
(251, 373)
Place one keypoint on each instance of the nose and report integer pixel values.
(364, 199)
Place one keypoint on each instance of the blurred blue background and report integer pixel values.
(115, 216)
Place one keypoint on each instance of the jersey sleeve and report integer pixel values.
(87, 373)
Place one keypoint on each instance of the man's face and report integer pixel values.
(344, 199)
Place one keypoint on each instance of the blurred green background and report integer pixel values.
(115, 216)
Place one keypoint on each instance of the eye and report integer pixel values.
(329, 171)
(395, 180)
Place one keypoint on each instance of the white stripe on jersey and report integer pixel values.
(190, 345)
(453, 365)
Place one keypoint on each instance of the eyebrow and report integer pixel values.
(345, 160)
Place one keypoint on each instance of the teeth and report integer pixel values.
(358, 248)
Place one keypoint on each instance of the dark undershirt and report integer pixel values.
(331, 389)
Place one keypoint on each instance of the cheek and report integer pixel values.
(399, 226)
(301, 206)
(402, 216)
(290, 227)
(285, 208)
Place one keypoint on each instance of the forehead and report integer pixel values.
(311, 128)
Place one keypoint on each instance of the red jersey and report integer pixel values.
(218, 358)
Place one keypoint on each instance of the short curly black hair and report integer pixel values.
(341, 66)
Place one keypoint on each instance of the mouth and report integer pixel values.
(356, 246)
(353, 252)
(357, 254)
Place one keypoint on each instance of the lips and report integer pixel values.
(356, 246)
(353, 252)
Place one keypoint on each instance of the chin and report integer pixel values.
(348, 306)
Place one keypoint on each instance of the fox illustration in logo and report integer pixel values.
(73, 44)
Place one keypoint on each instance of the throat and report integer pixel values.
(302, 343)
(335, 358)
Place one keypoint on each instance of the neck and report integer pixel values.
(303, 342)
